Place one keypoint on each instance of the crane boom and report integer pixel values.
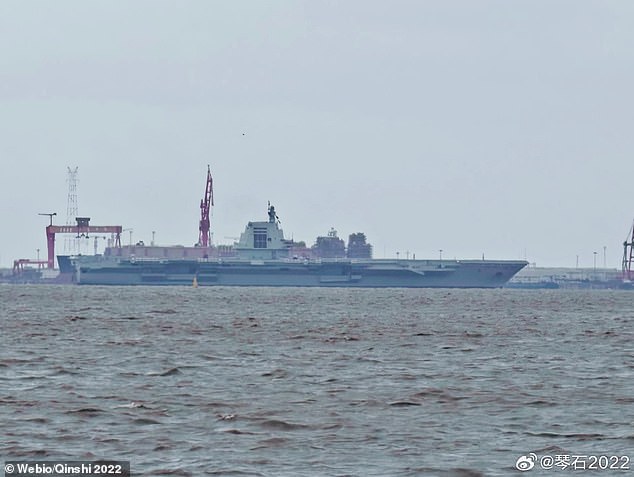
(205, 206)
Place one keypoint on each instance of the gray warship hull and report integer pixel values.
(371, 273)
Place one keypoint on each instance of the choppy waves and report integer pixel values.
(227, 381)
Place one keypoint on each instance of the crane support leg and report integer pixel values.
(50, 245)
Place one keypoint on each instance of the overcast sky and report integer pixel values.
(496, 127)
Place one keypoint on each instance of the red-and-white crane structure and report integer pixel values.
(82, 229)
(204, 226)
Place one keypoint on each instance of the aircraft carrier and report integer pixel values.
(263, 257)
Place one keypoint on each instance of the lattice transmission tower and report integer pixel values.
(71, 244)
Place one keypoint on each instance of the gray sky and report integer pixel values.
(496, 127)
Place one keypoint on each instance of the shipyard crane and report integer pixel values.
(82, 229)
(205, 206)
(628, 256)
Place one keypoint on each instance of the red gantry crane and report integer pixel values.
(82, 229)
(204, 237)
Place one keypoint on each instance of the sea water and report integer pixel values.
(308, 381)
